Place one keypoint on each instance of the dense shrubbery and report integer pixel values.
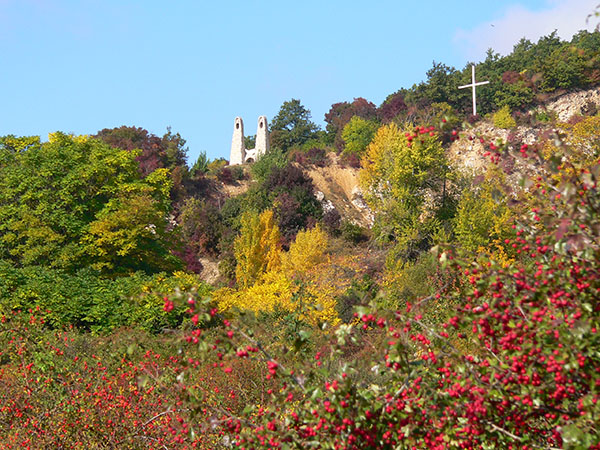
(313, 156)
(357, 135)
(289, 192)
(64, 389)
(468, 351)
(510, 361)
(341, 113)
(517, 80)
(89, 302)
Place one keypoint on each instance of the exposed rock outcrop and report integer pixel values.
(467, 154)
(580, 102)
(337, 187)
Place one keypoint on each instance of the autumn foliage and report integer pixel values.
(512, 363)
(465, 317)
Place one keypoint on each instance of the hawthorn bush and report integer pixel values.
(511, 361)
(63, 389)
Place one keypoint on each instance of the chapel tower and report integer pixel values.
(239, 153)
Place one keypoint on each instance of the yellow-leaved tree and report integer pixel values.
(403, 178)
(305, 262)
(274, 291)
(483, 219)
(257, 249)
(298, 281)
(399, 164)
(306, 252)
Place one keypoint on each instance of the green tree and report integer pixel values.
(175, 149)
(357, 135)
(271, 160)
(340, 114)
(441, 86)
(55, 198)
(400, 164)
(18, 143)
(292, 126)
(200, 167)
(515, 92)
(442, 82)
(250, 141)
(590, 42)
(130, 232)
(482, 219)
(563, 68)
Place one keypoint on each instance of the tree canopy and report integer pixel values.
(292, 126)
(76, 202)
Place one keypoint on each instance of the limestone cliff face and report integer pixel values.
(467, 154)
(337, 188)
(580, 102)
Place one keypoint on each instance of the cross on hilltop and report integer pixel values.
(472, 85)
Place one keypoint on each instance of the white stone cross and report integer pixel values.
(472, 85)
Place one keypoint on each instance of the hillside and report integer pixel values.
(147, 304)
(337, 185)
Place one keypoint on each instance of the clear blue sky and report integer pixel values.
(82, 65)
